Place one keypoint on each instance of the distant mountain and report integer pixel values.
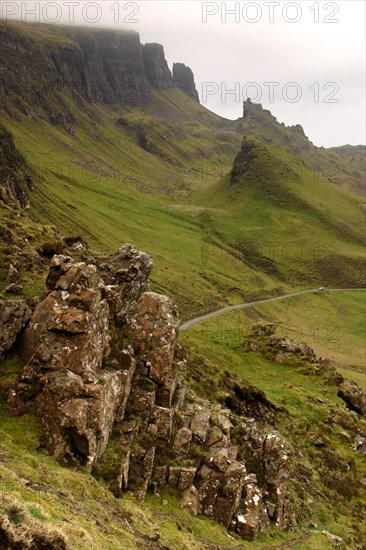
(343, 166)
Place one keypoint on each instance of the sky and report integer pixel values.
(304, 60)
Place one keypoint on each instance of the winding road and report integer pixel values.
(188, 324)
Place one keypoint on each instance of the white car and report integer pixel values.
(321, 288)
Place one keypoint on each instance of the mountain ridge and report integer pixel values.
(96, 64)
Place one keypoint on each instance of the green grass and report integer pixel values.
(103, 186)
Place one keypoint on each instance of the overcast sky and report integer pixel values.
(305, 59)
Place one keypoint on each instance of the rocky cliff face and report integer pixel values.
(244, 166)
(15, 174)
(104, 374)
(103, 66)
(184, 79)
(157, 70)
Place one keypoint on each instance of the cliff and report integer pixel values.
(184, 79)
(42, 66)
(157, 70)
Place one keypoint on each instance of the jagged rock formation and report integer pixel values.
(93, 65)
(14, 316)
(103, 374)
(299, 129)
(184, 79)
(244, 163)
(15, 174)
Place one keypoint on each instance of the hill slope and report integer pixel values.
(115, 172)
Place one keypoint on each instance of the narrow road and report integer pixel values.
(188, 324)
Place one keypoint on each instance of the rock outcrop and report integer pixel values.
(157, 70)
(15, 174)
(14, 315)
(244, 166)
(184, 79)
(103, 374)
(280, 348)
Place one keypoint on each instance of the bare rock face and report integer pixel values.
(14, 315)
(15, 174)
(152, 326)
(66, 342)
(127, 273)
(182, 442)
(98, 65)
(184, 79)
(244, 168)
(190, 500)
(269, 458)
(157, 70)
(104, 378)
(253, 518)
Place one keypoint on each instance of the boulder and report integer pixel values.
(159, 477)
(174, 475)
(141, 470)
(186, 478)
(215, 437)
(231, 491)
(161, 423)
(126, 277)
(14, 315)
(253, 518)
(77, 421)
(13, 275)
(218, 459)
(333, 539)
(208, 483)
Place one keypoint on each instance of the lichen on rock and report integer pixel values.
(103, 374)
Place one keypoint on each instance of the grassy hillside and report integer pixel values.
(211, 241)
(283, 221)
(160, 176)
(344, 166)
